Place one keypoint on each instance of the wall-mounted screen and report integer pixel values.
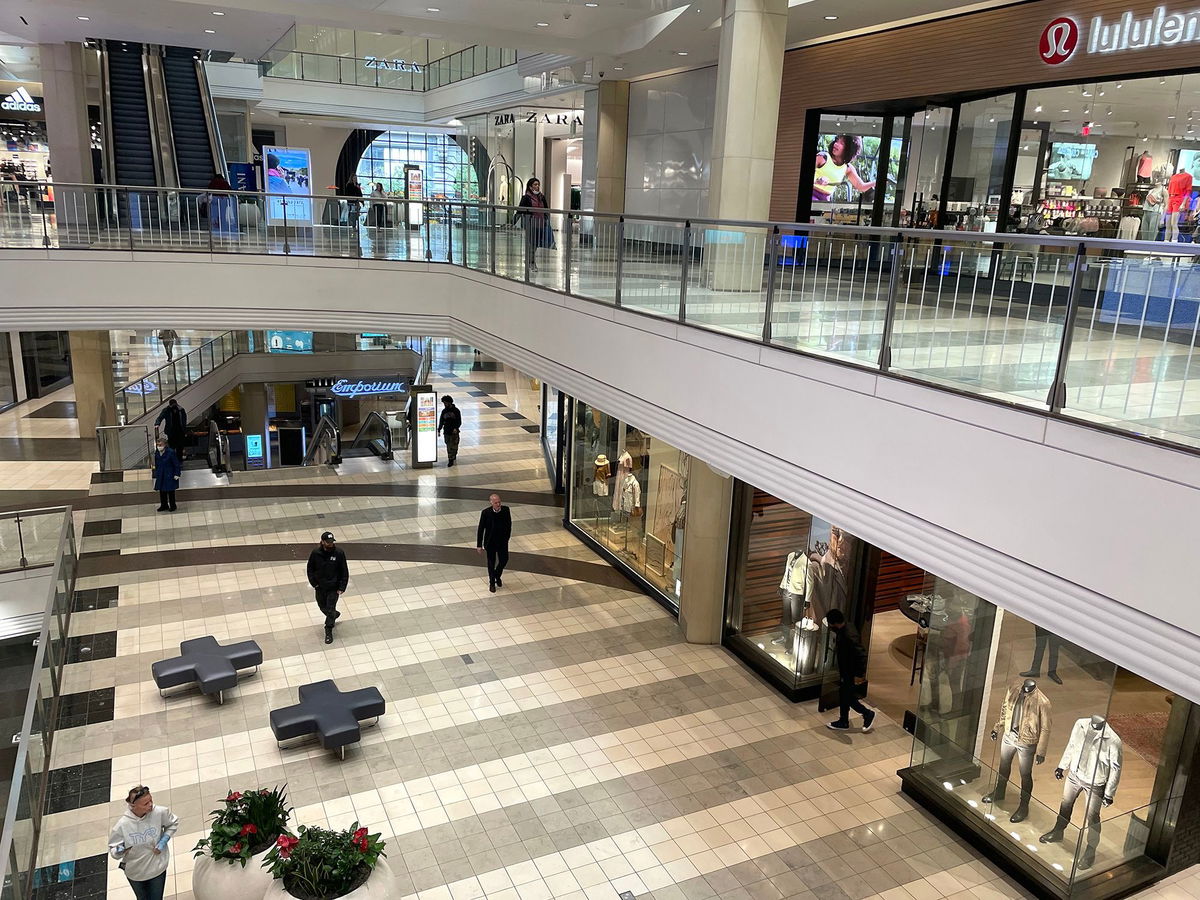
(288, 170)
(848, 166)
(425, 444)
(1071, 162)
(289, 341)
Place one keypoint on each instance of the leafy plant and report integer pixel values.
(247, 823)
(321, 864)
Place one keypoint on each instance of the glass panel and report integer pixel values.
(652, 269)
(850, 160)
(925, 163)
(629, 493)
(981, 148)
(727, 279)
(493, 58)
(593, 258)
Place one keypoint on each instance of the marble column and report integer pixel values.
(91, 371)
(705, 554)
(612, 130)
(749, 74)
(64, 92)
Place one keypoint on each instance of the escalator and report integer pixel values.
(192, 128)
(131, 139)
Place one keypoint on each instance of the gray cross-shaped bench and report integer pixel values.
(205, 662)
(331, 714)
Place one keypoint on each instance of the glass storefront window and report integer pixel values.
(629, 494)
(973, 201)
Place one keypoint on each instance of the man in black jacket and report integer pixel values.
(329, 575)
(449, 423)
(495, 528)
(173, 420)
(851, 661)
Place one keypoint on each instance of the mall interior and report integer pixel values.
(826, 357)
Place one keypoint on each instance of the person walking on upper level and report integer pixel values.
(449, 425)
(173, 420)
(535, 221)
(329, 575)
(166, 475)
(495, 528)
(140, 840)
(168, 337)
(851, 660)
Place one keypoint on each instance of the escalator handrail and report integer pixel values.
(387, 432)
(161, 135)
(326, 430)
(209, 108)
(110, 157)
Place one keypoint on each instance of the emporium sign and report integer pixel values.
(1063, 37)
(351, 389)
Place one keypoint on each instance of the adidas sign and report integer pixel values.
(20, 101)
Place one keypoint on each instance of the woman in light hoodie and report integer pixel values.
(139, 841)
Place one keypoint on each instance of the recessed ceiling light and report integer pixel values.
(681, 53)
(543, 24)
(1037, 109)
(83, 18)
(1170, 117)
(831, 18)
(432, 9)
(593, 5)
(209, 31)
(218, 13)
(618, 68)
(1066, 110)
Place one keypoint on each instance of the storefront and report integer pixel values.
(1037, 117)
(627, 499)
(554, 438)
(1064, 767)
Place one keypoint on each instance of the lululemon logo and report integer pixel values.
(1059, 41)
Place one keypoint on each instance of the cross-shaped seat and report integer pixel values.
(333, 715)
(204, 662)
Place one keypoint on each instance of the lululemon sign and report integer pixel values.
(1059, 41)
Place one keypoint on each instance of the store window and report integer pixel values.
(553, 402)
(446, 168)
(629, 495)
(1062, 758)
(856, 163)
(973, 201)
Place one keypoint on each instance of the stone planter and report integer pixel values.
(380, 886)
(216, 879)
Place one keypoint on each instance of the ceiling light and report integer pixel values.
(218, 13)
(618, 68)
(831, 18)
(1066, 110)
(1170, 117)
(83, 18)
(432, 9)
(681, 53)
(1037, 109)
(593, 5)
(209, 31)
(1087, 93)
(543, 24)
(1118, 85)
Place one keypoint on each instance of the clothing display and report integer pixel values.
(1090, 765)
(600, 476)
(1010, 746)
(1129, 228)
(1145, 166)
(1043, 640)
(624, 468)
(630, 494)
(827, 587)
(1179, 190)
(795, 572)
(1027, 714)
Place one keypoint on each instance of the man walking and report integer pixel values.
(449, 424)
(495, 528)
(168, 337)
(851, 661)
(329, 575)
(173, 420)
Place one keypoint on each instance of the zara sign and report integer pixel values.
(395, 65)
(1062, 38)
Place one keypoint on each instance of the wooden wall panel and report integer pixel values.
(994, 50)
(776, 529)
(895, 580)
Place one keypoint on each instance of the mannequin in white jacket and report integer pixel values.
(139, 840)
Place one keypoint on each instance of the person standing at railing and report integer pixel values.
(353, 193)
(173, 422)
(168, 337)
(140, 840)
(535, 222)
(378, 206)
(166, 474)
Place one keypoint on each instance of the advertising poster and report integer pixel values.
(425, 445)
(1071, 162)
(289, 341)
(848, 166)
(1189, 161)
(243, 176)
(287, 170)
(414, 189)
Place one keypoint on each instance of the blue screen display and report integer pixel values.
(289, 341)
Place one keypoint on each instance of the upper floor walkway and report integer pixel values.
(1017, 414)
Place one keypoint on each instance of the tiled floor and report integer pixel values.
(555, 739)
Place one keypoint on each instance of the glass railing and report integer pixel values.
(1101, 331)
(139, 397)
(396, 74)
(33, 662)
(1095, 839)
(29, 539)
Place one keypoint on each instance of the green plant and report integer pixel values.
(247, 823)
(321, 864)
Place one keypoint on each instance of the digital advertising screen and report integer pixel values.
(1071, 162)
(848, 166)
(1189, 161)
(414, 189)
(425, 444)
(287, 170)
(289, 341)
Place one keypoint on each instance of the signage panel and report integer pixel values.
(256, 457)
(289, 341)
(414, 189)
(348, 388)
(1064, 37)
(425, 440)
(288, 170)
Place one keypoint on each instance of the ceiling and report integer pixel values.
(624, 38)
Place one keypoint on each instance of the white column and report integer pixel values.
(68, 132)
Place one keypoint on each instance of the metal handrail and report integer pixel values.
(386, 439)
(326, 433)
(103, 444)
(218, 449)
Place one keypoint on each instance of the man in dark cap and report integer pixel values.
(329, 575)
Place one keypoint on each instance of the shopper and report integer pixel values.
(166, 475)
(449, 425)
(173, 420)
(168, 337)
(851, 660)
(353, 193)
(378, 206)
(329, 575)
(495, 528)
(140, 841)
(535, 222)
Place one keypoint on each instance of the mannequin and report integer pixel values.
(1179, 190)
(791, 591)
(1091, 765)
(629, 494)
(1144, 166)
(624, 468)
(600, 477)
(1152, 209)
(1025, 723)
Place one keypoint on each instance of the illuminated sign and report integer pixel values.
(145, 386)
(393, 65)
(344, 388)
(1061, 38)
(289, 341)
(254, 446)
(425, 445)
(20, 101)
(536, 118)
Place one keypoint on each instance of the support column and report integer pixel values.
(612, 139)
(91, 371)
(64, 89)
(705, 554)
(749, 74)
(255, 412)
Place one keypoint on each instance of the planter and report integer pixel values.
(380, 886)
(217, 879)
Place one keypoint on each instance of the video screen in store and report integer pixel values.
(1071, 162)
(848, 166)
(1189, 161)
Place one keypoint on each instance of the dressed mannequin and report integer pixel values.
(629, 494)
(1025, 723)
(1179, 191)
(1152, 207)
(1091, 764)
(624, 468)
(791, 591)
(1144, 166)
(600, 477)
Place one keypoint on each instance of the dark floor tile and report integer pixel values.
(106, 526)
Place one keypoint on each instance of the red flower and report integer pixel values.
(360, 834)
(285, 845)
(236, 848)
(248, 828)
(234, 797)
